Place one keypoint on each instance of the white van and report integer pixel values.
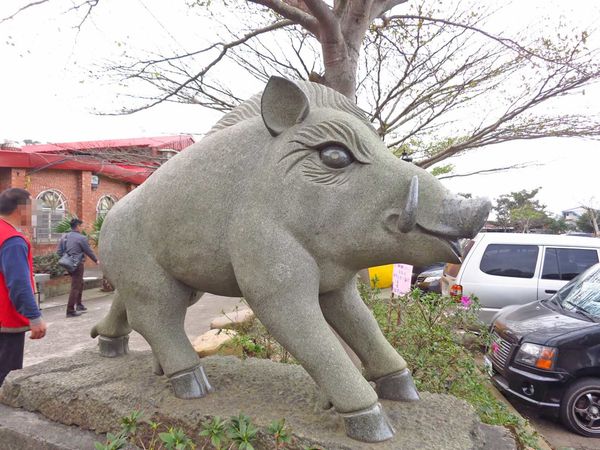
(511, 268)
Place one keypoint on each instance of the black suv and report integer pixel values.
(548, 353)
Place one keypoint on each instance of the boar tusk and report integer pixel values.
(408, 218)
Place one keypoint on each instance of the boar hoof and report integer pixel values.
(112, 347)
(191, 383)
(368, 425)
(397, 386)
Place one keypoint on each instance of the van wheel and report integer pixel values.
(580, 407)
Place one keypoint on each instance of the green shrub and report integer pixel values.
(48, 264)
(235, 433)
(256, 342)
(430, 332)
(440, 339)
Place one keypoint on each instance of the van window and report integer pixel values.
(567, 263)
(506, 260)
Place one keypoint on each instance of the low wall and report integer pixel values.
(62, 285)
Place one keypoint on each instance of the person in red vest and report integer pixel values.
(19, 311)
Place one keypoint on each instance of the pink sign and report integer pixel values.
(401, 277)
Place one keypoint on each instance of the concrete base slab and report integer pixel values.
(23, 430)
(93, 393)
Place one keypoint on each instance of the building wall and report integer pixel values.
(108, 186)
(76, 188)
(64, 181)
(4, 178)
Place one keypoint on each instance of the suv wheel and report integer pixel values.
(580, 407)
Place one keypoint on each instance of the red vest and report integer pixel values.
(10, 319)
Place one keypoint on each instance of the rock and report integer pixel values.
(93, 393)
(233, 320)
(211, 342)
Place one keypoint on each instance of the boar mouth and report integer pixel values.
(452, 241)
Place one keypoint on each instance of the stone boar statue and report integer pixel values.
(283, 202)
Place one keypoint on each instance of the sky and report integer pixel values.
(53, 87)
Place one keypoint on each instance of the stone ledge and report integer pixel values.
(94, 393)
(23, 430)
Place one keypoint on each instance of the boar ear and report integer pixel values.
(283, 105)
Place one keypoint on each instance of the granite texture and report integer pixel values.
(93, 393)
(23, 430)
(287, 197)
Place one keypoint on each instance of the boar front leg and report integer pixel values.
(281, 286)
(349, 316)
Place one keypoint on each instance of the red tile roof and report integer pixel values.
(178, 143)
(51, 156)
(39, 161)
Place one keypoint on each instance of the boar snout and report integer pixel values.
(469, 215)
(478, 210)
(460, 218)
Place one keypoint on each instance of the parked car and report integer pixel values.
(512, 268)
(429, 279)
(547, 353)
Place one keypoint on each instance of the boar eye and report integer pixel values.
(336, 157)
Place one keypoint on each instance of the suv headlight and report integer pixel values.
(537, 356)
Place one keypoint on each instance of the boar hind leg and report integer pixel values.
(156, 309)
(284, 296)
(349, 316)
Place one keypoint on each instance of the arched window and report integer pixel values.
(104, 205)
(52, 208)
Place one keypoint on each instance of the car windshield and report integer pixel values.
(582, 294)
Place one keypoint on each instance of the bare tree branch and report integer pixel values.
(510, 43)
(90, 4)
(180, 86)
(328, 22)
(379, 7)
(23, 8)
(489, 171)
(293, 13)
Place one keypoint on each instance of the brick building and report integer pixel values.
(81, 178)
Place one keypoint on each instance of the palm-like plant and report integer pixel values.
(94, 235)
(64, 226)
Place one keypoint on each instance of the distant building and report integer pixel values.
(572, 215)
(491, 227)
(82, 178)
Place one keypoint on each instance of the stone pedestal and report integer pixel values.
(93, 393)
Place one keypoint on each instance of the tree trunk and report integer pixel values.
(341, 40)
(594, 217)
(340, 69)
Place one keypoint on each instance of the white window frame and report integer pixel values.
(102, 212)
(49, 216)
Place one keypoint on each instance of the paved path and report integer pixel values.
(67, 336)
(554, 432)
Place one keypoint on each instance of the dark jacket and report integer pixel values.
(76, 246)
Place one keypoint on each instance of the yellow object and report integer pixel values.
(383, 275)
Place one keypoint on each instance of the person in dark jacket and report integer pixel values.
(19, 311)
(76, 246)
